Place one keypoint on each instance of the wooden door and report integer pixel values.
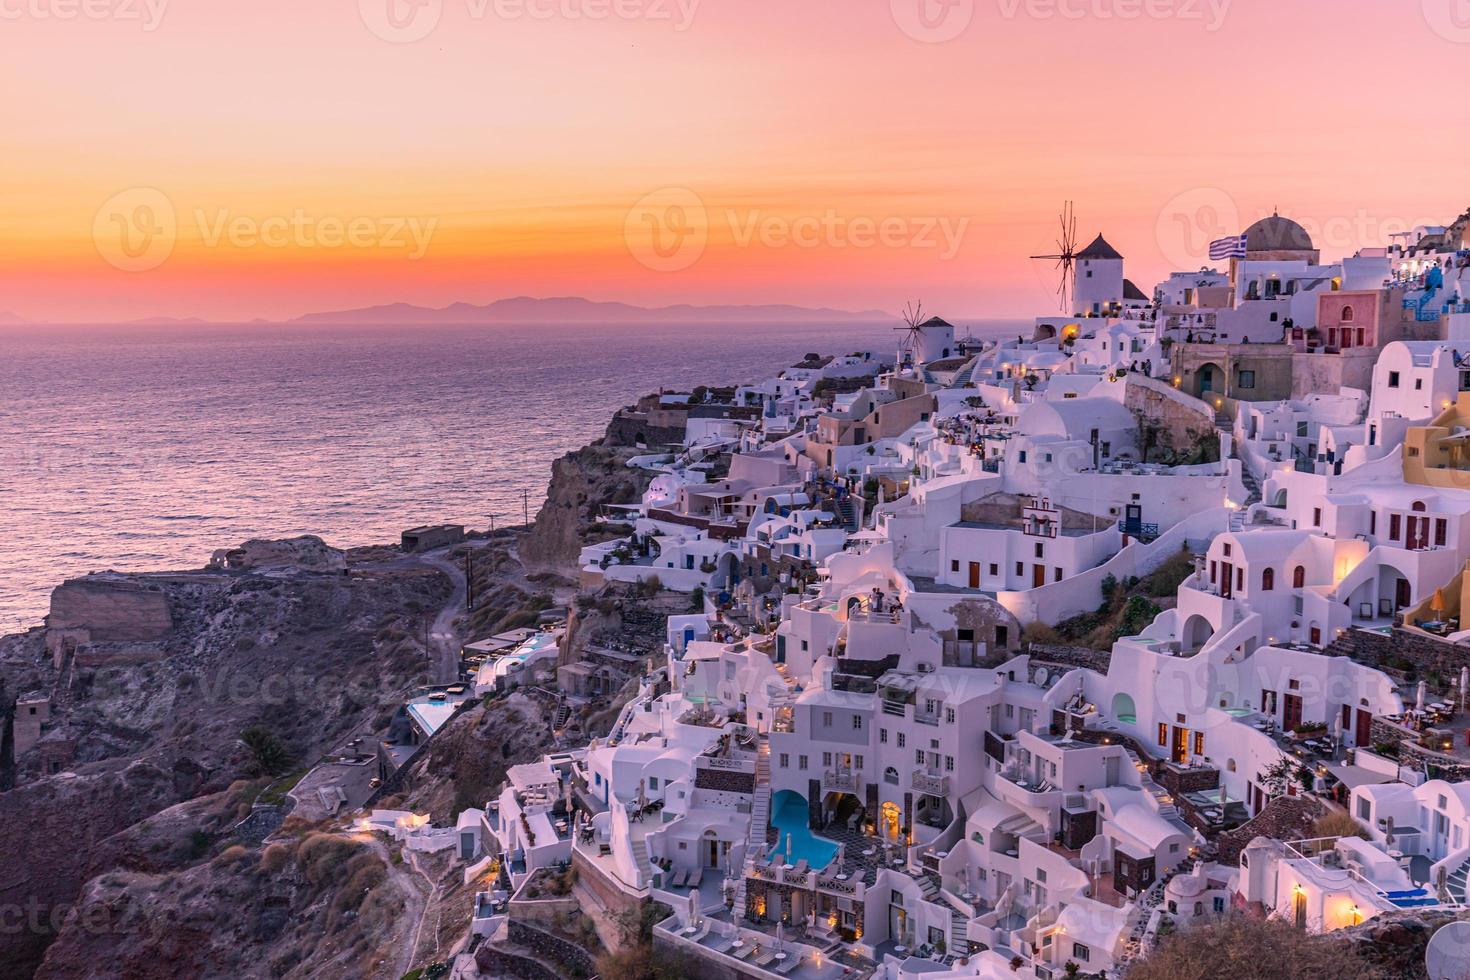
(1401, 593)
(1038, 576)
(1291, 717)
(1181, 743)
(1227, 579)
(1365, 727)
(974, 575)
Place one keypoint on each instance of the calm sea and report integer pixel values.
(140, 447)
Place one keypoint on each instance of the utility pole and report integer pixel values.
(526, 507)
(469, 580)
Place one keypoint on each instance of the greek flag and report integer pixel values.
(1227, 248)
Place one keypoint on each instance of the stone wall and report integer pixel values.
(494, 961)
(724, 780)
(1048, 655)
(612, 897)
(544, 945)
(110, 610)
(1424, 653)
(1285, 818)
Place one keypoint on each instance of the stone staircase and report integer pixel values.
(563, 715)
(760, 815)
(957, 943)
(1458, 883)
(640, 859)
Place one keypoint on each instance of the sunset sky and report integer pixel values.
(229, 160)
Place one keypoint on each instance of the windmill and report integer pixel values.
(1066, 257)
(913, 332)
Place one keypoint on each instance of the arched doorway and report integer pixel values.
(890, 825)
(1124, 709)
(1195, 634)
(1209, 379)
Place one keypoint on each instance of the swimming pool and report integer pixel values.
(789, 816)
(1239, 712)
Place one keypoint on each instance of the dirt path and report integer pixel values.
(415, 903)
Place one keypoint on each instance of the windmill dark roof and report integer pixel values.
(1099, 249)
(935, 321)
(1131, 291)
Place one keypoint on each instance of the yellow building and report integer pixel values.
(1438, 455)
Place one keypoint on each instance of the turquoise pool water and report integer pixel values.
(789, 816)
(1239, 712)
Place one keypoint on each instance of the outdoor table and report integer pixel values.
(900, 948)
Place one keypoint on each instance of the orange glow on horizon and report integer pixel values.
(840, 154)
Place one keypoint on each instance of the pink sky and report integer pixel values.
(822, 155)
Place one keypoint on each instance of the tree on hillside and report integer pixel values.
(268, 754)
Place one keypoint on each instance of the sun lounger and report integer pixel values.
(744, 952)
(801, 867)
(695, 877)
(722, 945)
(766, 958)
(791, 962)
(680, 877)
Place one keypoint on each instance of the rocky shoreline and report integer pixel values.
(130, 788)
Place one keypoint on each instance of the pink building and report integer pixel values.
(1352, 318)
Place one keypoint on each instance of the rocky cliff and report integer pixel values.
(581, 484)
(303, 653)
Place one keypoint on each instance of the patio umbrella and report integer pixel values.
(788, 847)
(1437, 605)
(693, 906)
(780, 934)
(841, 852)
(1421, 692)
(1464, 683)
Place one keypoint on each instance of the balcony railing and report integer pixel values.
(843, 782)
(934, 784)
